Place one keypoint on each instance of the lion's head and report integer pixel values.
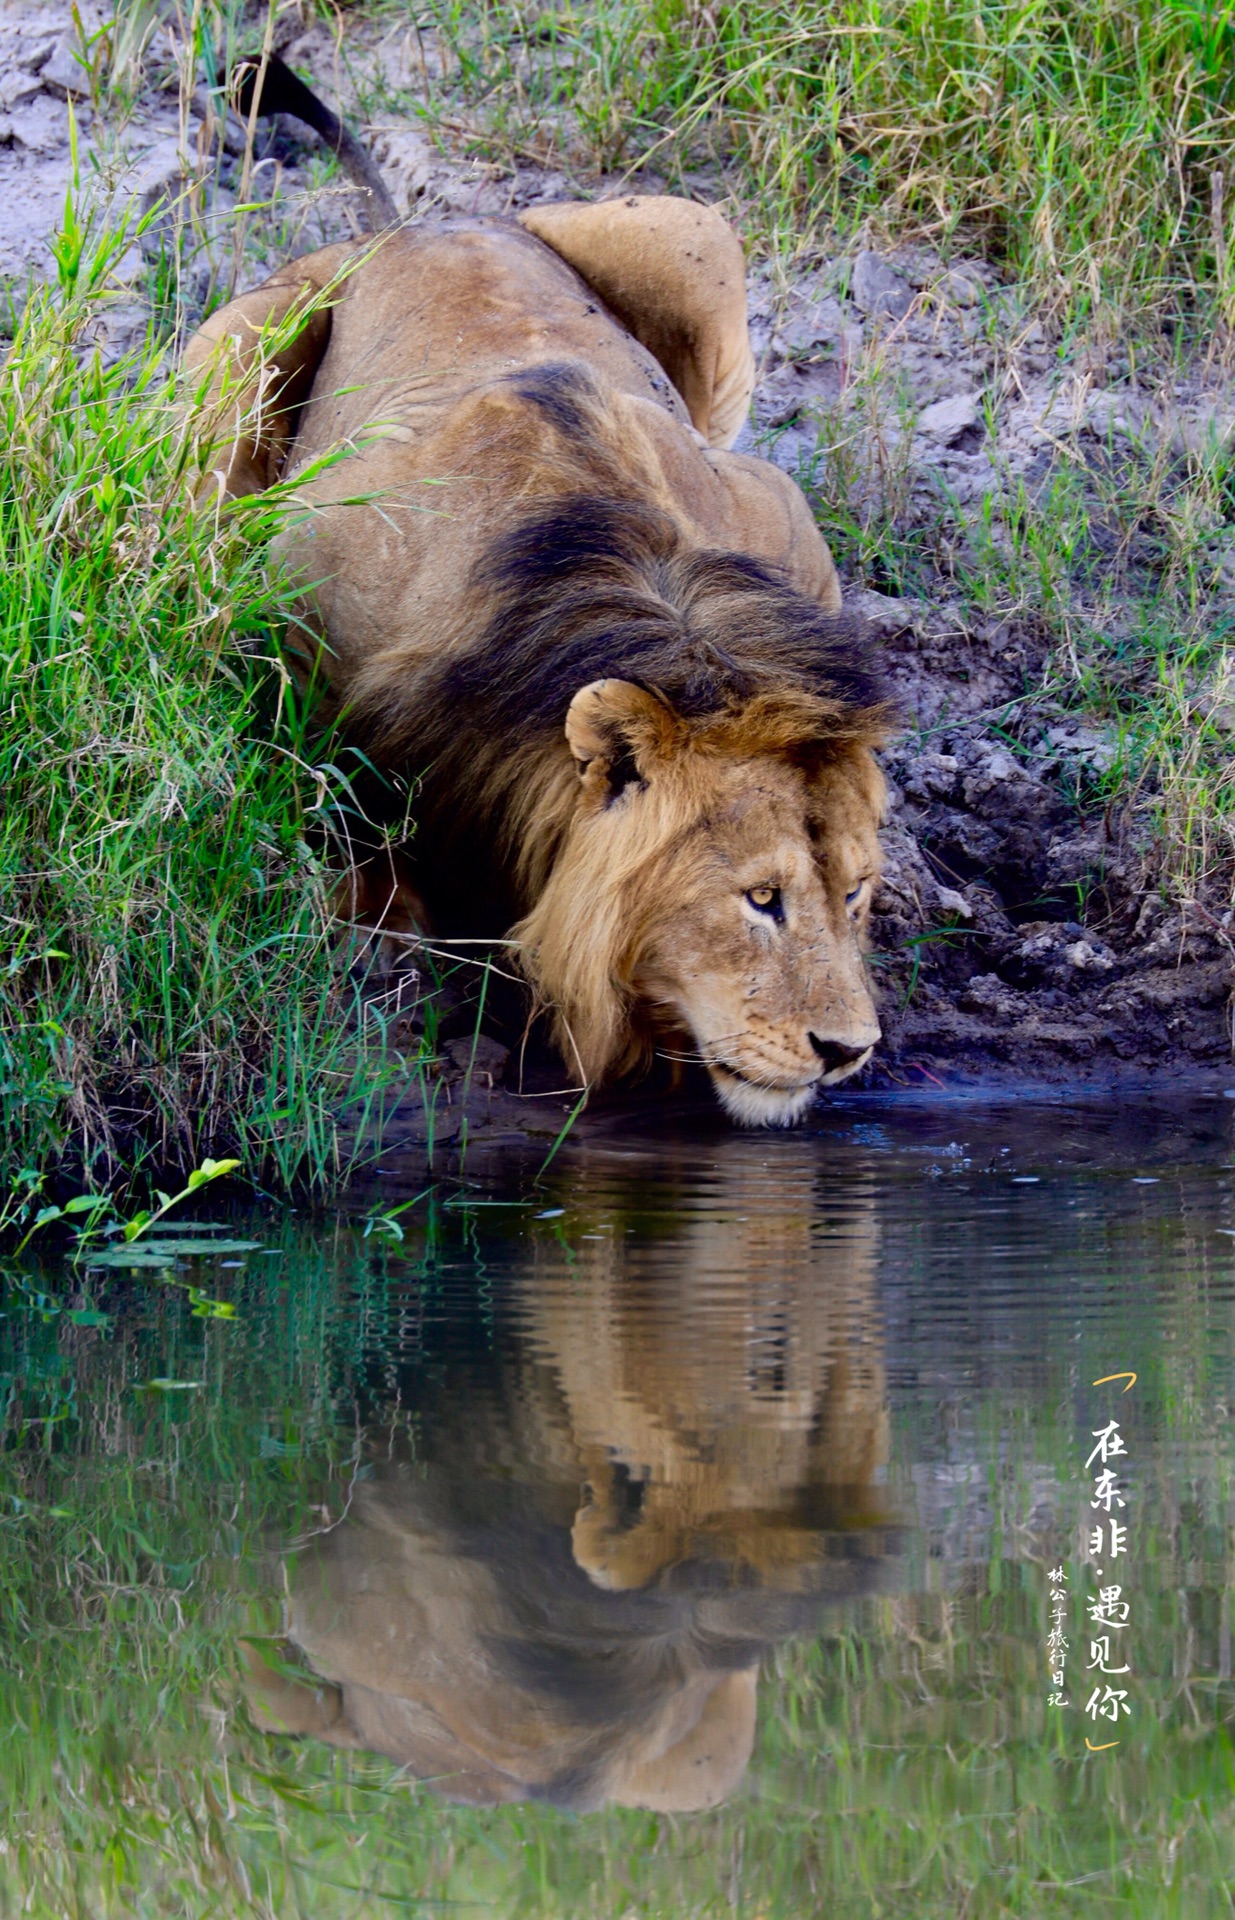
(712, 894)
(659, 759)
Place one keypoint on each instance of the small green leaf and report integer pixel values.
(210, 1170)
(165, 1250)
(136, 1225)
(380, 1223)
(88, 1317)
(85, 1201)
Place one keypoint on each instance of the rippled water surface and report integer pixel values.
(702, 1524)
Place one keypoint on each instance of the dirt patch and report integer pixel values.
(1021, 928)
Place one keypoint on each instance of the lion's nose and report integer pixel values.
(834, 1053)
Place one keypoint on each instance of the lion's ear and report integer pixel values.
(616, 731)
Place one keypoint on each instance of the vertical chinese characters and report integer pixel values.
(1109, 1612)
(1056, 1639)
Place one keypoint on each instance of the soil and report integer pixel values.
(1022, 931)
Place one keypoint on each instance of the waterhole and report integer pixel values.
(832, 1522)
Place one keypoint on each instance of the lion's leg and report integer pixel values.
(250, 366)
(769, 515)
(294, 1702)
(673, 273)
(706, 1765)
(379, 895)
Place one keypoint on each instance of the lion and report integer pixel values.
(667, 1465)
(605, 654)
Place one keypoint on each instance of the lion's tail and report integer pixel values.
(282, 92)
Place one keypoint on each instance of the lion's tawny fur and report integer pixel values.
(534, 538)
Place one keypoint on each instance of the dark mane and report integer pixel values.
(590, 589)
(600, 587)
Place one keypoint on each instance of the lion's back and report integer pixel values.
(443, 310)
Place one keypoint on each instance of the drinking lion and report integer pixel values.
(607, 657)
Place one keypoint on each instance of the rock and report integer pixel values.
(875, 289)
(932, 776)
(407, 162)
(1115, 412)
(998, 764)
(953, 902)
(120, 329)
(130, 268)
(158, 175)
(1206, 430)
(947, 420)
(987, 994)
(66, 71)
(36, 53)
(15, 87)
(1088, 958)
(886, 616)
(1086, 744)
(42, 127)
(1065, 410)
(1213, 703)
(810, 323)
(478, 1057)
(235, 133)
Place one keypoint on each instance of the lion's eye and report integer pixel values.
(851, 899)
(767, 900)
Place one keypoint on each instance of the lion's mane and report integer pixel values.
(589, 588)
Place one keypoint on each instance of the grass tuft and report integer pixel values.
(171, 984)
(1086, 143)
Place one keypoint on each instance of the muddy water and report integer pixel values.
(703, 1523)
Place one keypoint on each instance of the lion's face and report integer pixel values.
(725, 871)
(754, 946)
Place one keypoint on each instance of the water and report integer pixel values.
(669, 1532)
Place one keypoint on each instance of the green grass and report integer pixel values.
(171, 983)
(1118, 562)
(1079, 143)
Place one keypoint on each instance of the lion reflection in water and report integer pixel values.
(569, 1599)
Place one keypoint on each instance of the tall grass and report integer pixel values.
(1086, 144)
(170, 983)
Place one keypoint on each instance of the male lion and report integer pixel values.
(609, 655)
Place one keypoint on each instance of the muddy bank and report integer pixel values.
(1022, 928)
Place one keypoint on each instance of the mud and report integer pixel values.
(1022, 929)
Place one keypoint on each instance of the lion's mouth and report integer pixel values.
(774, 1103)
(731, 1072)
(760, 1103)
